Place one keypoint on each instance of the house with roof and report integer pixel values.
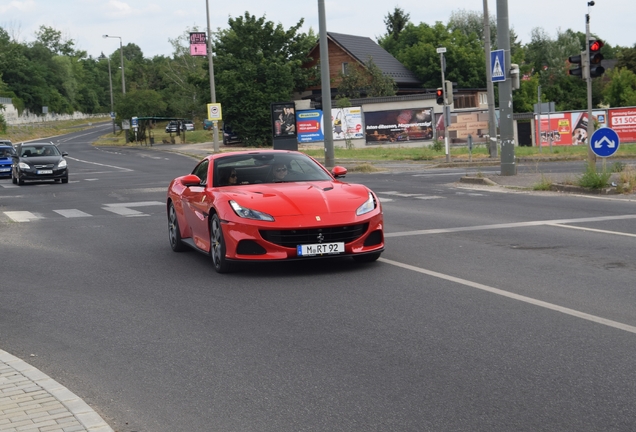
(348, 51)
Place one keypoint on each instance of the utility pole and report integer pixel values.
(441, 51)
(506, 122)
(325, 84)
(215, 123)
(490, 88)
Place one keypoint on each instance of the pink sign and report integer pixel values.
(198, 44)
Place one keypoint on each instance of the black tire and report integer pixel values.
(217, 247)
(20, 181)
(367, 257)
(174, 234)
(14, 180)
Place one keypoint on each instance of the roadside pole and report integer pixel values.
(539, 122)
(492, 122)
(506, 122)
(445, 113)
(211, 70)
(325, 84)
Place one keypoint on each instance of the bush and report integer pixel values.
(594, 180)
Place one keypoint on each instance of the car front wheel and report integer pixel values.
(217, 246)
(174, 234)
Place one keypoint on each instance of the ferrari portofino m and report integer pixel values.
(271, 206)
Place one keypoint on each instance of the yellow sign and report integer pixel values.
(214, 111)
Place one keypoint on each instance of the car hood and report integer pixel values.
(299, 198)
(41, 160)
(6, 159)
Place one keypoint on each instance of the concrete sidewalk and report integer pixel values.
(31, 401)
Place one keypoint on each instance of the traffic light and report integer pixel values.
(580, 63)
(595, 56)
(440, 96)
(448, 86)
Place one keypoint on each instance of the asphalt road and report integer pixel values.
(488, 311)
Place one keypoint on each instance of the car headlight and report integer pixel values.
(247, 213)
(367, 206)
(24, 166)
(62, 164)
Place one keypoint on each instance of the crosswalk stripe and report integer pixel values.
(72, 213)
(21, 216)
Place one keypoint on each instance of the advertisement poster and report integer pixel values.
(623, 121)
(309, 124)
(347, 123)
(567, 128)
(462, 125)
(284, 119)
(398, 125)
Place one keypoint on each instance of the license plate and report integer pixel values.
(320, 249)
(5, 169)
(45, 171)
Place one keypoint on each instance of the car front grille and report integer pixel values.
(44, 166)
(293, 238)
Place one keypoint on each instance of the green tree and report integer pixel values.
(416, 48)
(258, 63)
(621, 89)
(627, 59)
(395, 22)
(368, 81)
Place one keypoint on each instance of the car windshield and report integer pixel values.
(6, 152)
(263, 167)
(39, 150)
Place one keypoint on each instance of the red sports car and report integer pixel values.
(272, 205)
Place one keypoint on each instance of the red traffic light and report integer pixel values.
(596, 45)
(439, 94)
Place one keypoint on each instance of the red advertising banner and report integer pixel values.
(623, 121)
(569, 128)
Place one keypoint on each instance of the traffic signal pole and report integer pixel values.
(591, 156)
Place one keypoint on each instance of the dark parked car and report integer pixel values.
(37, 162)
(6, 159)
(173, 126)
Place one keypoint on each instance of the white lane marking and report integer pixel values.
(124, 209)
(451, 173)
(529, 300)
(91, 179)
(508, 225)
(385, 200)
(406, 195)
(593, 230)
(22, 216)
(8, 186)
(98, 164)
(72, 213)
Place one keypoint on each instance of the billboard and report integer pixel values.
(567, 128)
(623, 121)
(347, 123)
(284, 119)
(399, 125)
(310, 126)
(198, 44)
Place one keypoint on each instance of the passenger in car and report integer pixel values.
(227, 176)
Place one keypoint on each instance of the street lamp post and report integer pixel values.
(110, 85)
(121, 54)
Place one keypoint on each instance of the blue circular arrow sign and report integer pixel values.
(604, 142)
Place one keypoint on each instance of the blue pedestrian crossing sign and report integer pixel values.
(497, 66)
(604, 142)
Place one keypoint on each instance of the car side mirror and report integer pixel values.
(190, 180)
(339, 171)
(64, 154)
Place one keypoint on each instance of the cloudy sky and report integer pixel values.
(150, 23)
